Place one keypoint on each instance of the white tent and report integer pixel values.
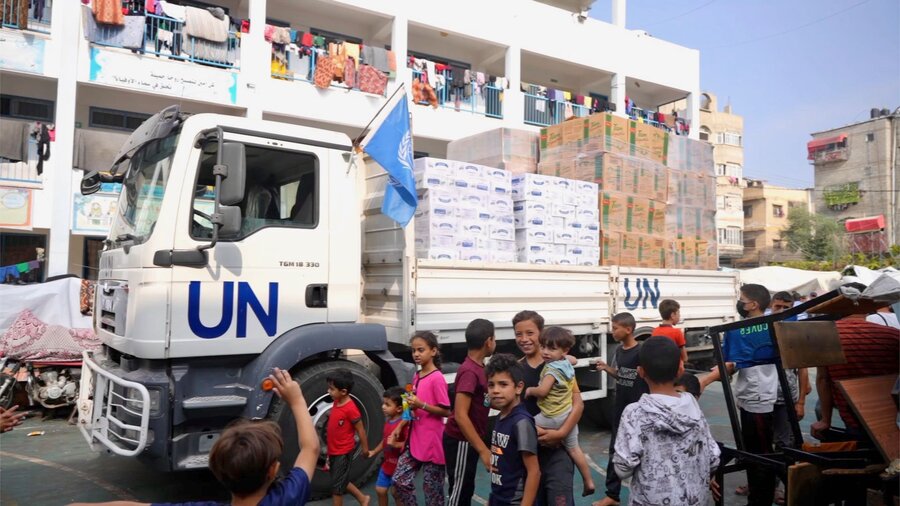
(777, 279)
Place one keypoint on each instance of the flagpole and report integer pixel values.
(362, 132)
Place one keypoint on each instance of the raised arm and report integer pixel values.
(289, 391)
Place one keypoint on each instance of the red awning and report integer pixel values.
(817, 144)
(867, 224)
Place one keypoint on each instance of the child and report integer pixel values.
(431, 404)
(755, 391)
(629, 388)
(466, 429)
(689, 383)
(246, 456)
(558, 469)
(554, 395)
(392, 442)
(670, 311)
(664, 442)
(515, 473)
(343, 422)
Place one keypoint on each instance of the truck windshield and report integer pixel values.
(142, 191)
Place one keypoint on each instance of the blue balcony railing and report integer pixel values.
(541, 111)
(163, 36)
(488, 101)
(298, 70)
(39, 14)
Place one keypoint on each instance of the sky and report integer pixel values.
(789, 67)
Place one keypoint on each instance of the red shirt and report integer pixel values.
(470, 379)
(672, 333)
(871, 350)
(340, 428)
(391, 454)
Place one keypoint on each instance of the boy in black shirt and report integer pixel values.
(515, 473)
(629, 388)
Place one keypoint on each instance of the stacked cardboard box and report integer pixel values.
(657, 192)
(502, 148)
(557, 220)
(465, 212)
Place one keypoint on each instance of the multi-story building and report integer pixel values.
(856, 179)
(725, 131)
(96, 82)
(766, 209)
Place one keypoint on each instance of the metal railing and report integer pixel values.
(39, 14)
(541, 111)
(22, 173)
(164, 37)
(487, 102)
(295, 74)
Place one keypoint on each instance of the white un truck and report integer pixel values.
(243, 245)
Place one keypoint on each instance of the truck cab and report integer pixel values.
(235, 250)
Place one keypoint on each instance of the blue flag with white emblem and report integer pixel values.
(390, 144)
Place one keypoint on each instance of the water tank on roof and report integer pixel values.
(885, 112)
(874, 113)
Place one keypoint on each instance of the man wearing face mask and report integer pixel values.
(755, 387)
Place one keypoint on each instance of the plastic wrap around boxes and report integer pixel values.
(656, 204)
(503, 148)
(465, 212)
(556, 219)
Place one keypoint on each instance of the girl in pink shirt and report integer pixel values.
(431, 404)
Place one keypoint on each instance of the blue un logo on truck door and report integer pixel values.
(246, 299)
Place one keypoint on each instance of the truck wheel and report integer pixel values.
(366, 393)
(602, 412)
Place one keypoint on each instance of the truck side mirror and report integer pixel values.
(229, 221)
(90, 183)
(234, 158)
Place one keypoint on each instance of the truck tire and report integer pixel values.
(367, 391)
(601, 412)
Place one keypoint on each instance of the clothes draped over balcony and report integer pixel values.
(436, 83)
(301, 55)
(15, 13)
(96, 149)
(14, 139)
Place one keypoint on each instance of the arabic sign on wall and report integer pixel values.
(15, 208)
(148, 73)
(22, 52)
(93, 214)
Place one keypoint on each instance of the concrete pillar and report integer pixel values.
(255, 58)
(513, 98)
(618, 13)
(617, 93)
(693, 114)
(400, 48)
(58, 171)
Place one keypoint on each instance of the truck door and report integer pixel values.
(273, 276)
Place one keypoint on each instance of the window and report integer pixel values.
(748, 211)
(733, 203)
(704, 133)
(731, 236)
(281, 191)
(749, 242)
(720, 202)
(115, 120)
(777, 211)
(705, 102)
(26, 108)
(730, 138)
(870, 137)
(777, 244)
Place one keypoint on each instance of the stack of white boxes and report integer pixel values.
(465, 212)
(557, 220)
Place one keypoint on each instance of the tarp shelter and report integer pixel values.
(778, 279)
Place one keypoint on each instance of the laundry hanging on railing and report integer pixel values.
(128, 34)
(14, 272)
(14, 139)
(108, 12)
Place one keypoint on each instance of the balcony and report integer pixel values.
(167, 37)
(542, 111)
(33, 16)
(23, 174)
(473, 98)
(830, 155)
(300, 65)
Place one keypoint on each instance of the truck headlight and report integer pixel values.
(134, 400)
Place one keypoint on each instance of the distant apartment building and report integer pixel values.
(725, 131)
(765, 213)
(856, 179)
